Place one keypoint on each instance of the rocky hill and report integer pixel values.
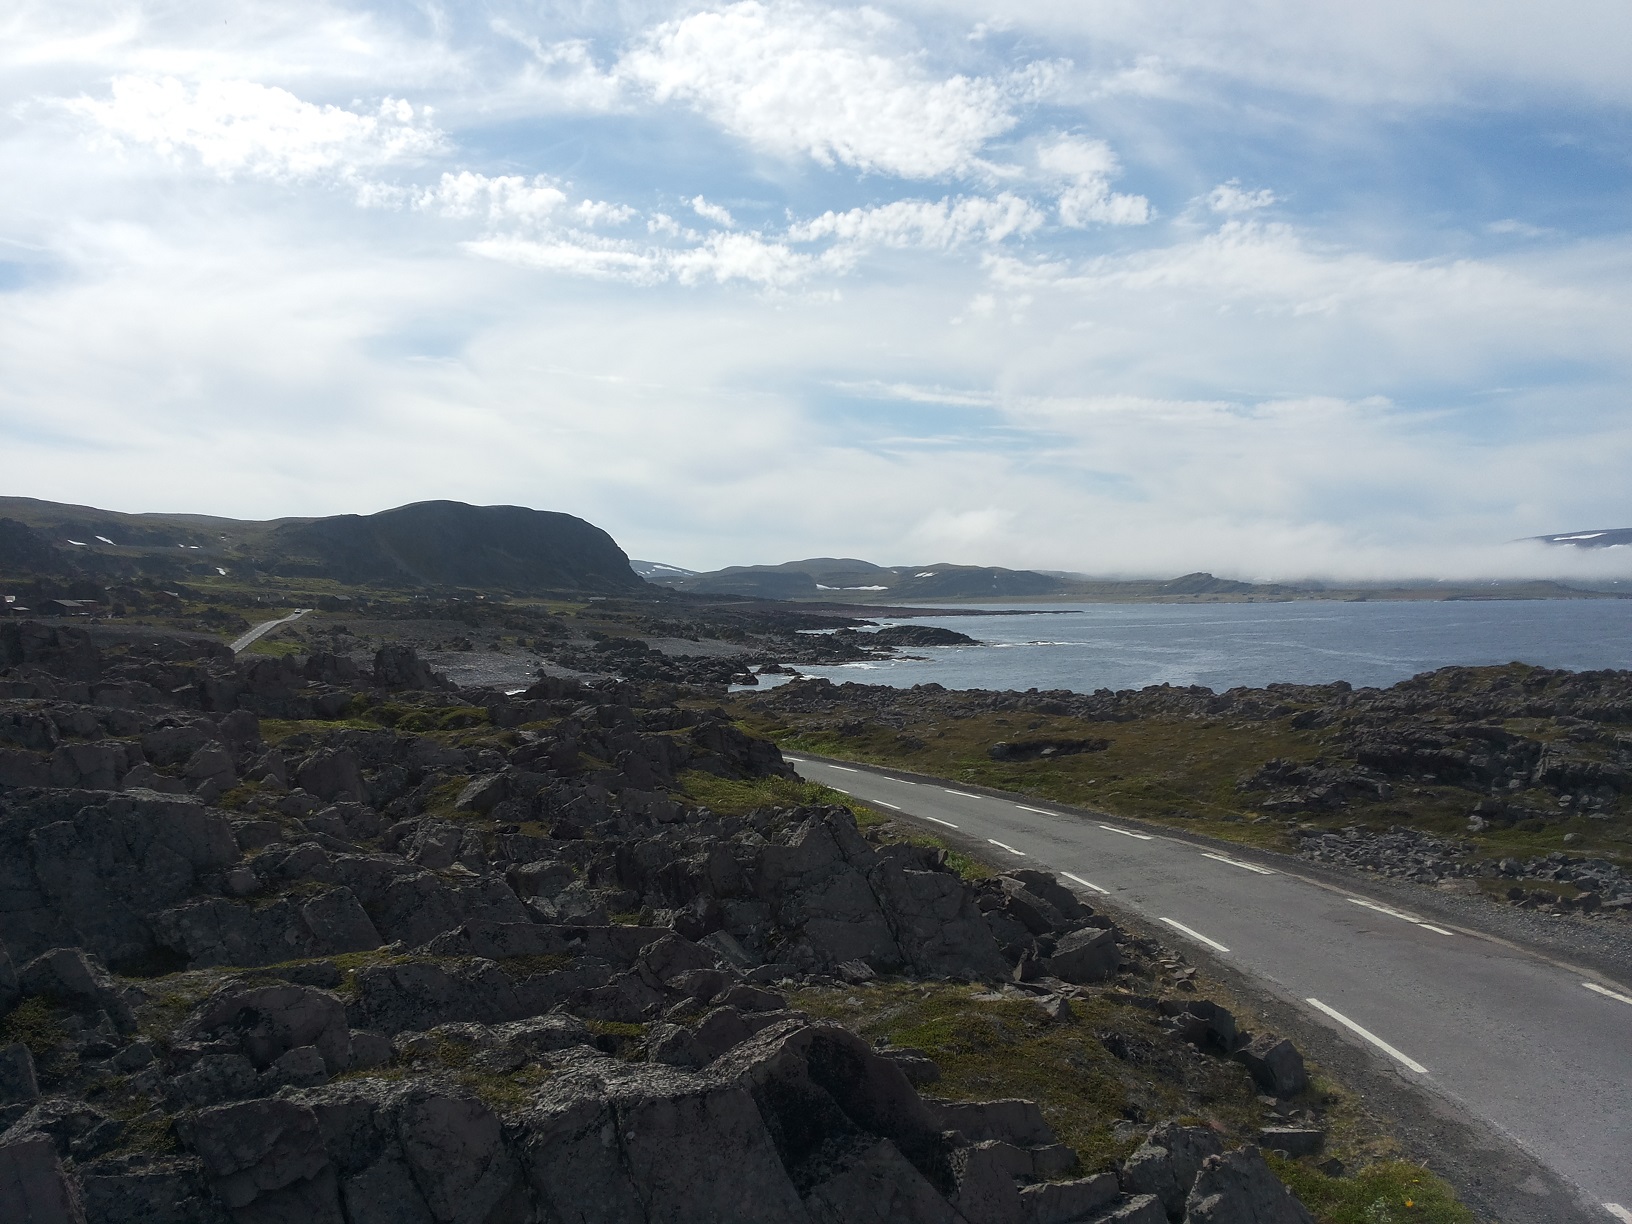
(297, 941)
(436, 544)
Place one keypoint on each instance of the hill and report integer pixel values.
(426, 544)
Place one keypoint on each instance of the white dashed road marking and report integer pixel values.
(891, 806)
(1125, 833)
(1607, 993)
(1039, 811)
(960, 794)
(1401, 915)
(1010, 849)
(938, 820)
(1084, 883)
(1237, 863)
(1619, 1212)
(1211, 943)
(1409, 1063)
(844, 769)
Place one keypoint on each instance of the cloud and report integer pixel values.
(505, 198)
(243, 128)
(921, 223)
(1231, 198)
(794, 80)
(1086, 168)
(712, 212)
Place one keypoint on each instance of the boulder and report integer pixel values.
(1011, 1121)
(1167, 1162)
(1064, 1201)
(69, 976)
(18, 1083)
(878, 1183)
(266, 1161)
(266, 1022)
(1239, 1188)
(1275, 1064)
(332, 774)
(1086, 955)
(33, 1187)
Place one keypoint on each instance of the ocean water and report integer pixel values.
(1117, 646)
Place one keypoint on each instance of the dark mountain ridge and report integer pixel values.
(424, 544)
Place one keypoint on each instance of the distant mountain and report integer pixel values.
(426, 544)
(850, 580)
(657, 569)
(1602, 537)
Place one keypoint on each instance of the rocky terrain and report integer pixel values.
(299, 938)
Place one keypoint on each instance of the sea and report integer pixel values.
(1084, 647)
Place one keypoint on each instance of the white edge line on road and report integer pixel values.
(1039, 811)
(844, 768)
(1375, 1040)
(1237, 863)
(1010, 849)
(1619, 1212)
(1125, 833)
(1085, 883)
(893, 807)
(938, 820)
(1612, 994)
(1401, 915)
(1211, 943)
(959, 794)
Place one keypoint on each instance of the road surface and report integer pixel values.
(264, 628)
(1539, 1052)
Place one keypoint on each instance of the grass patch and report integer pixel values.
(1390, 1192)
(38, 1024)
(733, 797)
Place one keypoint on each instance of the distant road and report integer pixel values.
(264, 628)
(1539, 1051)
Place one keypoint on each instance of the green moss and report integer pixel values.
(735, 797)
(38, 1024)
(1389, 1192)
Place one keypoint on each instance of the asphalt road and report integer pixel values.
(264, 628)
(1539, 1052)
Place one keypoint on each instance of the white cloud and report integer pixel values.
(1086, 168)
(797, 80)
(1231, 198)
(240, 127)
(505, 198)
(712, 212)
(922, 223)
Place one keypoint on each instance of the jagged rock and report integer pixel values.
(1086, 955)
(1275, 1064)
(267, 1162)
(141, 1189)
(69, 976)
(33, 1187)
(18, 1084)
(1239, 1188)
(1167, 1162)
(10, 991)
(267, 1022)
(1011, 1121)
(1062, 1202)
(332, 774)
(984, 1190)
(96, 879)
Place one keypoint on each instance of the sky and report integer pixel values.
(1267, 288)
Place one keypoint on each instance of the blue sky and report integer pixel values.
(1266, 288)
